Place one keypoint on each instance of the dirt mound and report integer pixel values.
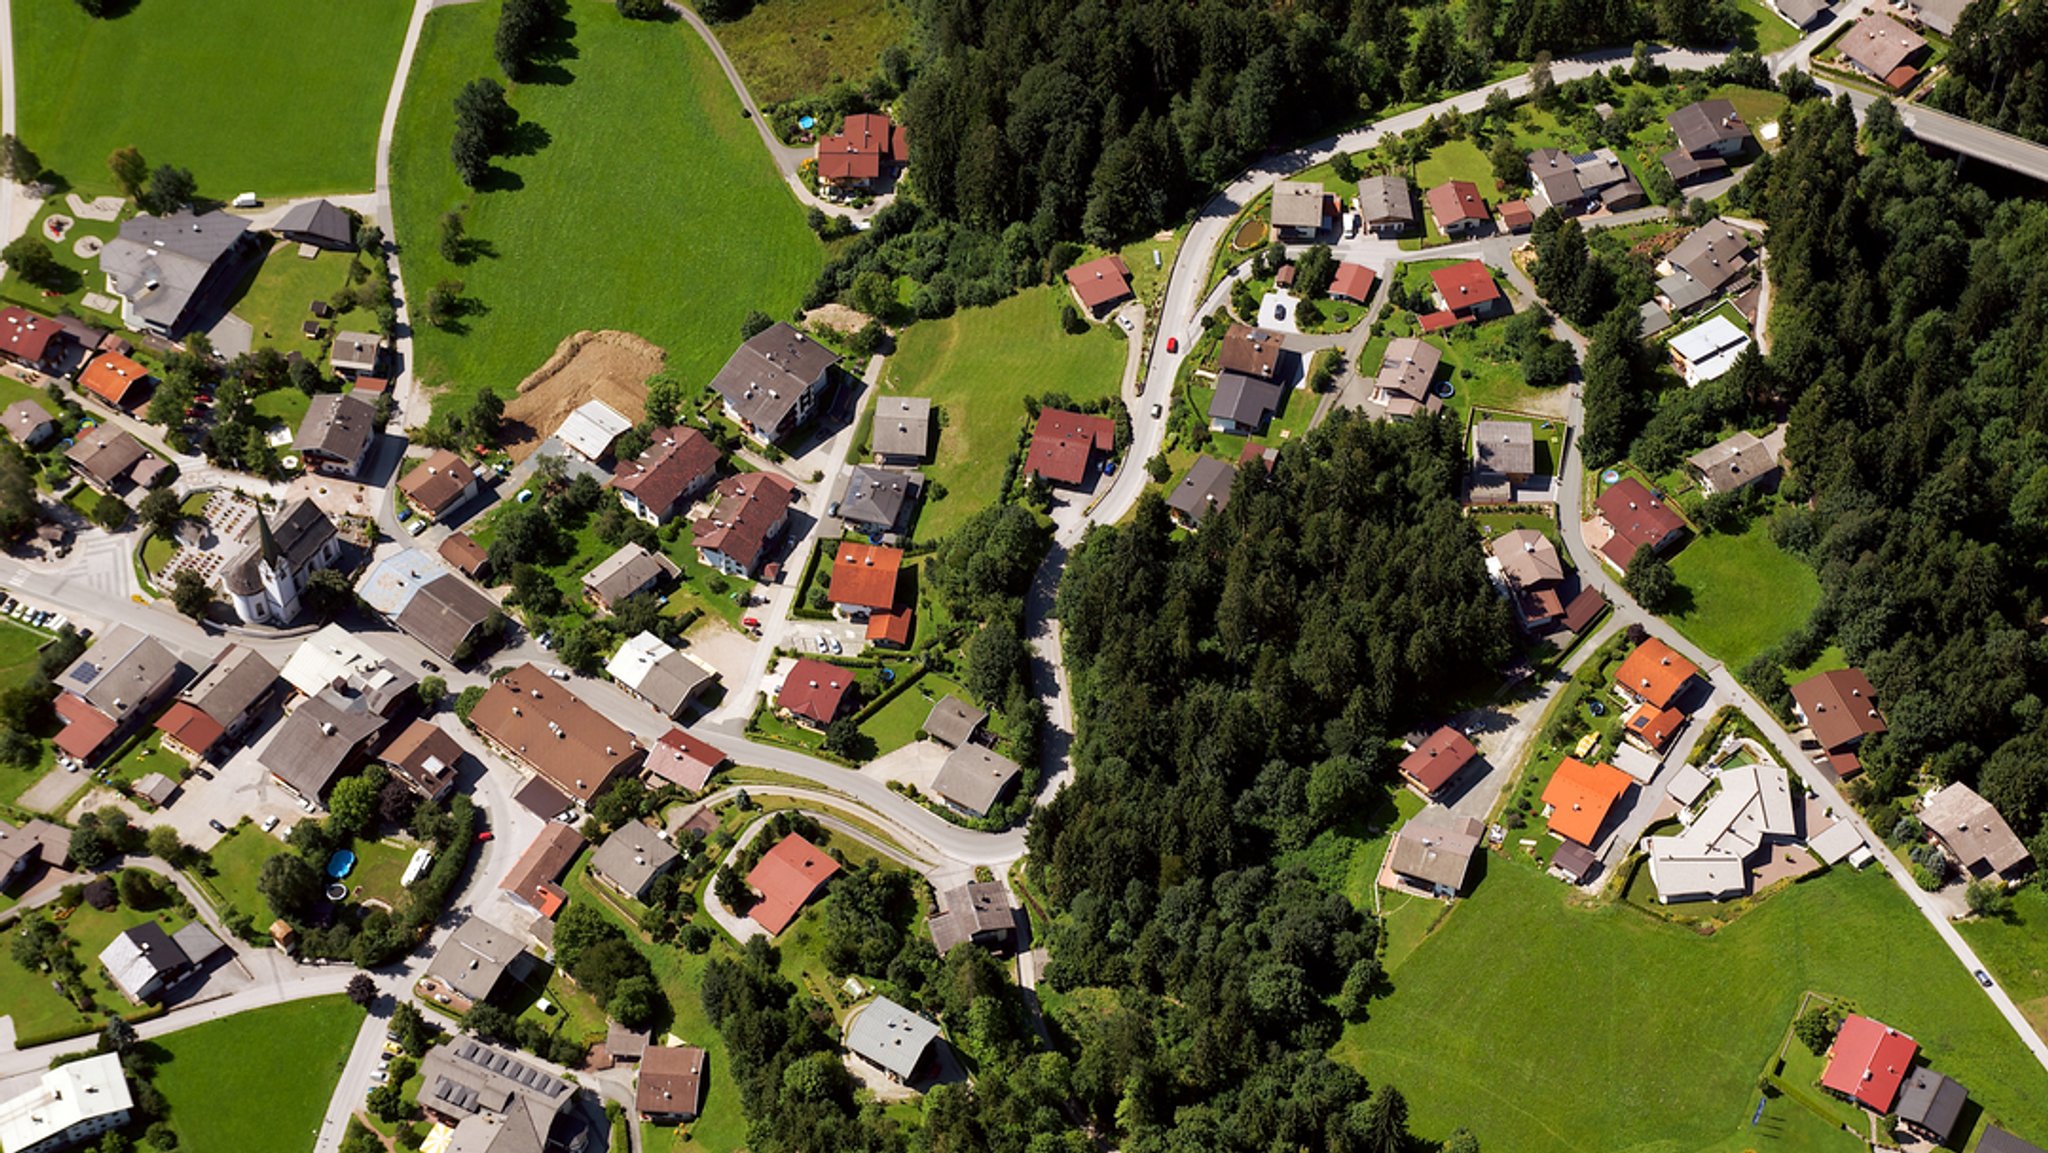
(836, 317)
(609, 366)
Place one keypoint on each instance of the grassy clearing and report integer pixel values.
(790, 48)
(897, 723)
(977, 366)
(574, 232)
(1580, 973)
(147, 756)
(19, 651)
(259, 1079)
(269, 96)
(276, 301)
(238, 861)
(1763, 31)
(286, 406)
(1741, 593)
(2015, 949)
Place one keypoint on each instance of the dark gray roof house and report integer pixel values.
(979, 913)
(169, 271)
(237, 681)
(1205, 489)
(771, 383)
(902, 430)
(318, 222)
(1243, 403)
(1715, 255)
(1996, 1140)
(478, 959)
(975, 780)
(1931, 1103)
(499, 1101)
(356, 353)
(321, 738)
(1709, 126)
(337, 431)
(880, 500)
(631, 858)
(953, 722)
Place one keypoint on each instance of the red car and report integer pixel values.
(1173, 344)
(486, 835)
(751, 622)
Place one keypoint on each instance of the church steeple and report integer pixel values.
(270, 552)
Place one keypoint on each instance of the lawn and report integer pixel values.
(2015, 950)
(286, 406)
(270, 96)
(1763, 32)
(640, 172)
(897, 723)
(146, 756)
(790, 48)
(977, 366)
(19, 651)
(1741, 594)
(238, 861)
(260, 1079)
(40, 1013)
(1459, 1030)
(82, 274)
(276, 301)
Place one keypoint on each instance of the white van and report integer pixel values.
(246, 200)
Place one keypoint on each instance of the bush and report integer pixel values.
(640, 9)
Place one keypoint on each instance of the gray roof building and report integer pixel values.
(1407, 370)
(1996, 1140)
(156, 788)
(631, 858)
(974, 779)
(1803, 13)
(1243, 402)
(659, 673)
(1437, 850)
(979, 913)
(498, 1101)
(108, 457)
(1739, 461)
(1205, 489)
(1931, 1103)
(1973, 832)
(318, 222)
(356, 352)
(121, 673)
(1556, 179)
(630, 570)
(478, 958)
(770, 382)
(880, 499)
(236, 682)
(300, 535)
(27, 422)
(891, 1038)
(1386, 201)
(903, 429)
(1298, 205)
(1709, 126)
(321, 738)
(1714, 254)
(162, 267)
(954, 722)
(1507, 447)
(445, 613)
(337, 430)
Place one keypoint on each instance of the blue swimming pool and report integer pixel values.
(341, 864)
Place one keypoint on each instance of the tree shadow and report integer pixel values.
(525, 138)
(473, 249)
(549, 60)
(496, 179)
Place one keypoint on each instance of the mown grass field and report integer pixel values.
(267, 96)
(1548, 1026)
(977, 366)
(259, 1079)
(19, 651)
(2015, 949)
(1742, 593)
(645, 202)
(278, 298)
(790, 48)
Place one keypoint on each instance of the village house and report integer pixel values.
(1739, 461)
(589, 430)
(1352, 282)
(660, 674)
(220, 705)
(864, 155)
(1707, 351)
(1406, 384)
(1713, 259)
(1465, 293)
(879, 502)
(67, 1105)
(1065, 446)
(1503, 458)
(1972, 834)
(772, 383)
(815, 692)
(319, 223)
(1433, 852)
(422, 757)
(28, 423)
(496, 1101)
(670, 1088)
(143, 961)
(534, 880)
(1710, 133)
(976, 914)
(974, 779)
(1930, 1104)
(892, 1039)
(632, 858)
(480, 962)
(1300, 210)
(1099, 285)
(1635, 520)
(540, 725)
(678, 463)
(785, 879)
(438, 484)
(1884, 50)
(902, 432)
(336, 435)
(1868, 1062)
(953, 722)
(114, 463)
(749, 513)
(1753, 811)
(356, 354)
(1654, 674)
(1579, 798)
(103, 693)
(115, 379)
(1458, 208)
(1840, 709)
(630, 570)
(173, 272)
(1204, 490)
(1440, 759)
(681, 759)
(1386, 205)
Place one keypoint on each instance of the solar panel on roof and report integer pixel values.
(85, 672)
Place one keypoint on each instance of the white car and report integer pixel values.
(559, 674)
(269, 823)
(824, 645)
(417, 527)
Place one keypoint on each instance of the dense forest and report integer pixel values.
(1998, 70)
(1907, 340)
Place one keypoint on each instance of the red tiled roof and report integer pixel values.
(1438, 321)
(892, 627)
(1516, 214)
(26, 336)
(1465, 285)
(1655, 672)
(788, 876)
(1352, 282)
(1654, 726)
(191, 728)
(1439, 758)
(683, 759)
(1580, 796)
(111, 377)
(815, 690)
(1637, 517)
(1104, 280)
(1868, 1062)
(669, 469)
(865, 575)
(1063, 444)
(859, 149)
(750, 506)
(371, 385)
(1455, 201)
(85, 728)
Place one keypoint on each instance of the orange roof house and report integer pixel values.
(1868, 1061)
(1352, 282)
(1654, 673)
(1652, 727)
(113, 378)
(892, 628)
(864, 576)
(1579, 797)
(1100, 283)
(787, 877)
(1438, 759)
(186, 727)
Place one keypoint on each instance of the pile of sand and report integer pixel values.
(609, 366)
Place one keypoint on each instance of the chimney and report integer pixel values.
(327, 727)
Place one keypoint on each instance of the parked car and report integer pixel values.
(836, 647)
(1155, 412)
(217, 826)
(824, 646)
(429, 665)
(404, 512)
(486, 835)
(269, 822)
(751, 622)
(547, 642)
(418, 527)
(559, 674)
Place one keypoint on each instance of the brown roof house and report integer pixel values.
(953, 722)
(423, 757)
(1709, 134)
(1300, 210)
(1404, 387)
(1458, 208)
(1973, 835)
(1739, 461)
(771, 384)
(1433, 852)
(36, 842)
(678, 463)
(1535, 578)
(109, 688)
(538, 723)
(1885, 50)
(336, 435)
(864, 154)
(670, 1088)
(1638, 520)
(1840, 707)
(1065, 446)
(815, 692)
(447, 614)
(1099, 285)
(630, 570)
(438, 484)
(532, 883)
(975, 780)
(220, 705)
(1386, 205)
(1431, 766)
(1712, 259)
(751, 511)
(468, 557)
(632, 858)
(978, 914)
(355, 354)
(682, 759)
(113, 462)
